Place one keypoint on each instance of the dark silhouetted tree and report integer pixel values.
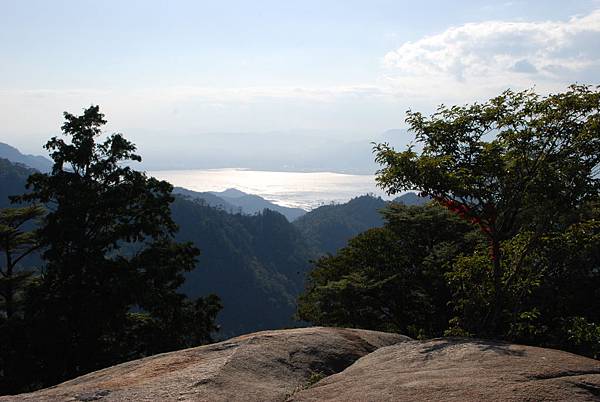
(109, 288)
(16, 243)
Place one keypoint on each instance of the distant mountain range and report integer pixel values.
(34, 161)
(13, 177)
(236, 201)
(412, 199)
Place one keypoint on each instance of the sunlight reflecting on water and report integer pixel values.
(292, 189)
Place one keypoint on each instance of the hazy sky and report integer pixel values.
(173, 71)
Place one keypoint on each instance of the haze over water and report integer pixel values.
(291, 189)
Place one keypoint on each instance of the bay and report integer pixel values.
(306, 190)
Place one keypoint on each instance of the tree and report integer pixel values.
(108, 290)
(554, 298)
(511, 165)
(391, 278)
(16, 243)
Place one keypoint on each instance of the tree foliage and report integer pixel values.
(514, 164)
(391, 278)
(523, 170)
(16, 244)
(428, 273)
(109, 286)
(551, 290)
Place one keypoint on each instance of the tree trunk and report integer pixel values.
(9, 292)
(496, 324)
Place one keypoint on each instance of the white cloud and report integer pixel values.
(465, 63)
(478, 58)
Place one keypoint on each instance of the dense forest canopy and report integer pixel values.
(391, 278)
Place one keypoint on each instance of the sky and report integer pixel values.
(179, 76)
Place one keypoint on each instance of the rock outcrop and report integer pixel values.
(461, 370)
(336, 364)
(265, 366)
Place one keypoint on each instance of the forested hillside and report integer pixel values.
(329, 227)
(37, 162)
(13, 177)
(256, 264)
(234, 201)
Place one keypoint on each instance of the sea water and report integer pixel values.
(290, 189)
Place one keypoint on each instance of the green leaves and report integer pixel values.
(514, 165)
(110, 286)
(515, 145)
(390, 278)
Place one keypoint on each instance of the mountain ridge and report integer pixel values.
(37, 162)
(235, 201)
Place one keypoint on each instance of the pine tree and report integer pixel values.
(109, 287)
